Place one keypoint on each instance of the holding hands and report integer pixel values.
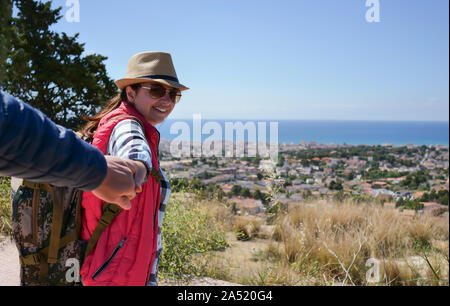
(123, 181)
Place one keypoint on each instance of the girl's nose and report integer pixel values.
(166, 99)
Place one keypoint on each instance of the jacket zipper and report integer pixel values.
(108, 261)
(157, 204)
(157, 148)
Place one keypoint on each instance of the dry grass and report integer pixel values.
(246, 228)
(329, 243)
(341, 237)
(313, 243)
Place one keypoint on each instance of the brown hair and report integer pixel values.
(89, 129)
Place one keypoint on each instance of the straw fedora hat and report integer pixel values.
(151, 67)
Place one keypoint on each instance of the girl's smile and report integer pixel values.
(154, 110)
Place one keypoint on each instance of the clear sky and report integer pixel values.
(299, 59)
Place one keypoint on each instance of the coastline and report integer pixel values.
(329, 132)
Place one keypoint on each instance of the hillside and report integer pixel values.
(318, 243)
(315, 242)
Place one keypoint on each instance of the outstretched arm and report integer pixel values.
(34, 148)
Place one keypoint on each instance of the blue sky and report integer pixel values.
(300, 59)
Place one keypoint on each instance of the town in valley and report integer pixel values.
(411, 179)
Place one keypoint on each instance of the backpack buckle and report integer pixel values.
(30, 260)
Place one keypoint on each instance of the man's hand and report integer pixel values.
(123, 180)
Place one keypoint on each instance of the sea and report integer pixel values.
(397, 133)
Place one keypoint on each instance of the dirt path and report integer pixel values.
(9, 264)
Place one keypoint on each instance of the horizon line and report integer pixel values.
(318, 143)
(356, 120)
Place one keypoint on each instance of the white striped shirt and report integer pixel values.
(128, 141)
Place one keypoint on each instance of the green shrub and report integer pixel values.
(409, 204)
(5, 206)
(188, 230)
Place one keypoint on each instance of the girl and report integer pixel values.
(128, 250)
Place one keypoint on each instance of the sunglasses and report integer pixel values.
(157, 91)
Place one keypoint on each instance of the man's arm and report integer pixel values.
(33, 147)
(123, 180)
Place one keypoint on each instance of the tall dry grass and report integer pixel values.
(324, 243)
(339, 238)
(319, 242)
(246, 227)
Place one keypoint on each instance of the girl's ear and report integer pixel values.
(131, 94)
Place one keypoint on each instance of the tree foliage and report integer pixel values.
(5, 33)
(49, 71)
(335, 185)
(416, 179)
(440, 197)
(409, 204)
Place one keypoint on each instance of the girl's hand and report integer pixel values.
(123, 180)
(139, 176)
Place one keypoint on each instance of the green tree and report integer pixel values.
(307, 194)
(263, 197)
(440, 197)
(350, 176)
(48, 70)
(425, 197)
(5, 33)
(220, 194)
(400, 203)
(288, 182)
(196, 185)
(246, 193)
(409, 204)
(280, 161)
(236, 190)
(257, 194)
(304, 162)
(179, 185)
(443, 199)
(414, 180)
(335, 185)
(205, 175)
(256, 161)
(211, 190)
(339, 196)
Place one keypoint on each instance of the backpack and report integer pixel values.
(46, 227)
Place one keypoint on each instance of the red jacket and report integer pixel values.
(126, 250)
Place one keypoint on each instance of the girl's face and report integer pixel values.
(155, 111)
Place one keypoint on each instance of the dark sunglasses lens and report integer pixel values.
(175, 95)
(157, 91)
